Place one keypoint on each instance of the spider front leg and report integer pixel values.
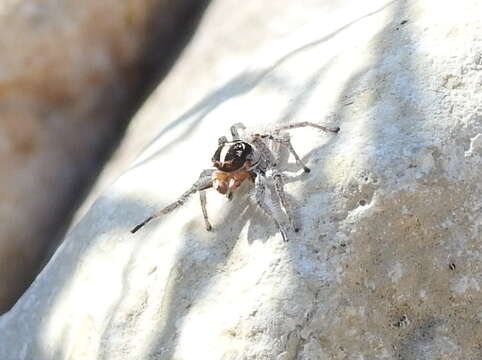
(204, 182)
(202, 197)
(222, 140)
(260, 190)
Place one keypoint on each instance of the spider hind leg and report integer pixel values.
(286, 142)
(308, 123)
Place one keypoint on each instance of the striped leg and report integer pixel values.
(260, 189)
(287, 142)
(279, 188)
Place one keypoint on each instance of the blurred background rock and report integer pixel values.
(71, 75)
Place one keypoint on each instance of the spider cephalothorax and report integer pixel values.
(255, 157)
(231, 156)
(234, 160)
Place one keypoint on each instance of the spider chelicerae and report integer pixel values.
(253, 157)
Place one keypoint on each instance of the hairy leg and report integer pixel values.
(260, 189)
(266, 154)
(234, 131)
(307, 123)
(285, 141)
(297, 158)
(204, 182)
(222, 140)
(280, 192)
(202, 197)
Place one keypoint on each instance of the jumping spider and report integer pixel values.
(254, 157)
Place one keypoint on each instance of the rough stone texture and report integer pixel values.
(71, 74)
(387, 265)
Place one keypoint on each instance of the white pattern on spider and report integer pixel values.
(254, 157)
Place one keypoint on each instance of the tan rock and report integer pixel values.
(71, 74)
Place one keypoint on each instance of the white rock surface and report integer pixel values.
(387, 265)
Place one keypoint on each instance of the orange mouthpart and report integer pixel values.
(224, 181)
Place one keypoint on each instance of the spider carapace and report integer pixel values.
(254, 157)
